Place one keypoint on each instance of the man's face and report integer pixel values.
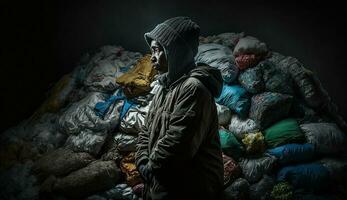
(158, 57)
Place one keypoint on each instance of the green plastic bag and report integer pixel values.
(230, 145)
(284, 132)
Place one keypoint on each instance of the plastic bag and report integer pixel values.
(293, 153)
(254, 168)
(230, 145)
(236, 99)
(220, 57)
(268, 107)
(327, 137)
(283, 132)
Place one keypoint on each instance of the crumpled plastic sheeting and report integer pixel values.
(99, 72)
(134, 119)
(224, 114)
(220, 57)
(18, 183)
(254, 168)
(327, 137)
(81, 115)
(262, 189)
(239, 127)
(268, 107)
(226, 39)
(87, 141)
(125, 142)
(237, 190)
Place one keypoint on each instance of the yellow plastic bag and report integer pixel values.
(254, 143)
(138, 79)
(127, 166)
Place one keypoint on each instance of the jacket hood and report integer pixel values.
(179, 37)
(210, 77)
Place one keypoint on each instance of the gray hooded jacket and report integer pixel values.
(180, 138)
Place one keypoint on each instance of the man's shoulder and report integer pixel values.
(193, 85)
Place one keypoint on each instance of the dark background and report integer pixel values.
(41, 41)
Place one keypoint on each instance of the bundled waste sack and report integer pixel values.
(99, 72)
(58, 96)
(249, 51)
(137, 80)
(61, 162)
(17, 153)
(224, 115)
(239, 127)
(293, 153)
(303, 79)
(220, 57)
(337, 168)
(311, 89)
(282, 191)
(266, 76)
(124, 142)
(235, 98)
(231, 170)
(275, 79)
(267, 108)
(230, 145)
(284, 132)
(134, 119)
(18, 182)
(262, 189)
(252, 80)
(254, 143)
(87, 141)
(253, 169)
(310, 176)
(239, 189)
(81, 115)
(326, 137)
(127, 166)
(225, 39)
(96, 177)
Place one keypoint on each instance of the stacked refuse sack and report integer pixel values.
(281, 135)
(277, 124)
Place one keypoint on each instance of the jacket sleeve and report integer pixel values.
(141, 154)
(186, 128)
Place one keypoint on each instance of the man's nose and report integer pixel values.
(153, 59)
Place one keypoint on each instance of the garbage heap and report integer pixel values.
(281, 135)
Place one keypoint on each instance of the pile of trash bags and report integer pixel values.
(281, 134)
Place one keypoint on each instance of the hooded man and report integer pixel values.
(178, 152)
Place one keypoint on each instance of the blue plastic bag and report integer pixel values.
(293, 153)
(236, 98)
(308, 176)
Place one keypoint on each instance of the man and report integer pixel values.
(178, 151)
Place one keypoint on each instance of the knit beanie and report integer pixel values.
(179, 37)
